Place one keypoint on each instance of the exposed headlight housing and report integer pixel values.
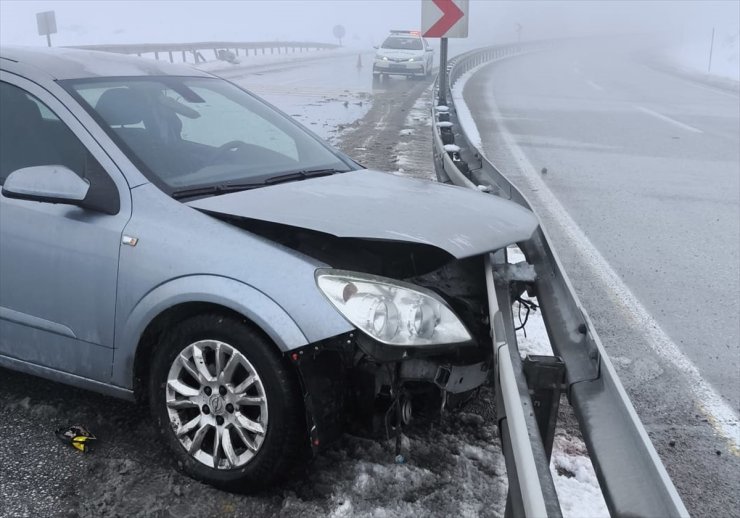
(392, 312)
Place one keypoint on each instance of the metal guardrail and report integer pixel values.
(633, 479)
(195, 50)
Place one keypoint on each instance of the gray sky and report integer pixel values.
(366, 21)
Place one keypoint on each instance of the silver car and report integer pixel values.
(168, 237)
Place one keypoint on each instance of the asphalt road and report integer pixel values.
(646, 166)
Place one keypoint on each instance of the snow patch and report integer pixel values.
(214, 65)
(575, 480)
(572, 472)
(464, 117)
(455, 469)
(533, 339)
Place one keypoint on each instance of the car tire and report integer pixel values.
(227, 378)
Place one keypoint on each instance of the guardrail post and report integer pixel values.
(546, 380)
(171, 59)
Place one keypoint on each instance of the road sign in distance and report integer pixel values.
(46, 22)
(444, 18)
(339, 32)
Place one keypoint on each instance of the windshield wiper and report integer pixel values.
(213, 190)
(302, 175)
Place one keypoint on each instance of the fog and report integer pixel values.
(366, 21)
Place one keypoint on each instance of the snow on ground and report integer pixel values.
(575, 481)
(570, 466)
(464, 117)
(454, 468)
(252, 60)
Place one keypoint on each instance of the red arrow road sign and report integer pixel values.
(451, 14)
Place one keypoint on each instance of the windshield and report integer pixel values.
(186, 132)
(399, 42)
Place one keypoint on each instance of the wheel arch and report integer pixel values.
(186, 296)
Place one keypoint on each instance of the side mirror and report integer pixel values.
(375, 47)
(47, 183)
(430, 50)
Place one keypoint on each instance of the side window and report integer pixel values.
(31, 135)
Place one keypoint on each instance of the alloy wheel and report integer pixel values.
(216, 404)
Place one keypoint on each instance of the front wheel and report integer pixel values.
(225, 403)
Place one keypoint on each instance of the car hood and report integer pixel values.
(369, 204)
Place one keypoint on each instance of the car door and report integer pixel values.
(58, 262)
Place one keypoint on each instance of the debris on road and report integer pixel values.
(76, 436)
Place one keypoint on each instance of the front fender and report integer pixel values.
(224, 291)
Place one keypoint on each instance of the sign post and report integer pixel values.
(444, 19)
(339, 33)
(47, 25)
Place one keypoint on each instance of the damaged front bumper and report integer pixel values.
(345, 389)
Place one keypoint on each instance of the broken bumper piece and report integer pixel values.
(455, 379)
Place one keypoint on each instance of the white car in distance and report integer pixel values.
(404, 53)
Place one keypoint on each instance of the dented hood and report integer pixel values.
(369, 204)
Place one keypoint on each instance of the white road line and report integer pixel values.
(719, 413)
(595, 86)
(668, 119)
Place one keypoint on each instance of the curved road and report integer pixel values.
(645, 167)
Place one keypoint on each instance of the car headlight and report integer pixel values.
(392, 312)
(415, 59)
(385, 58)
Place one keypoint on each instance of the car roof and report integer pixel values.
(68, 63)
(405, 33)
